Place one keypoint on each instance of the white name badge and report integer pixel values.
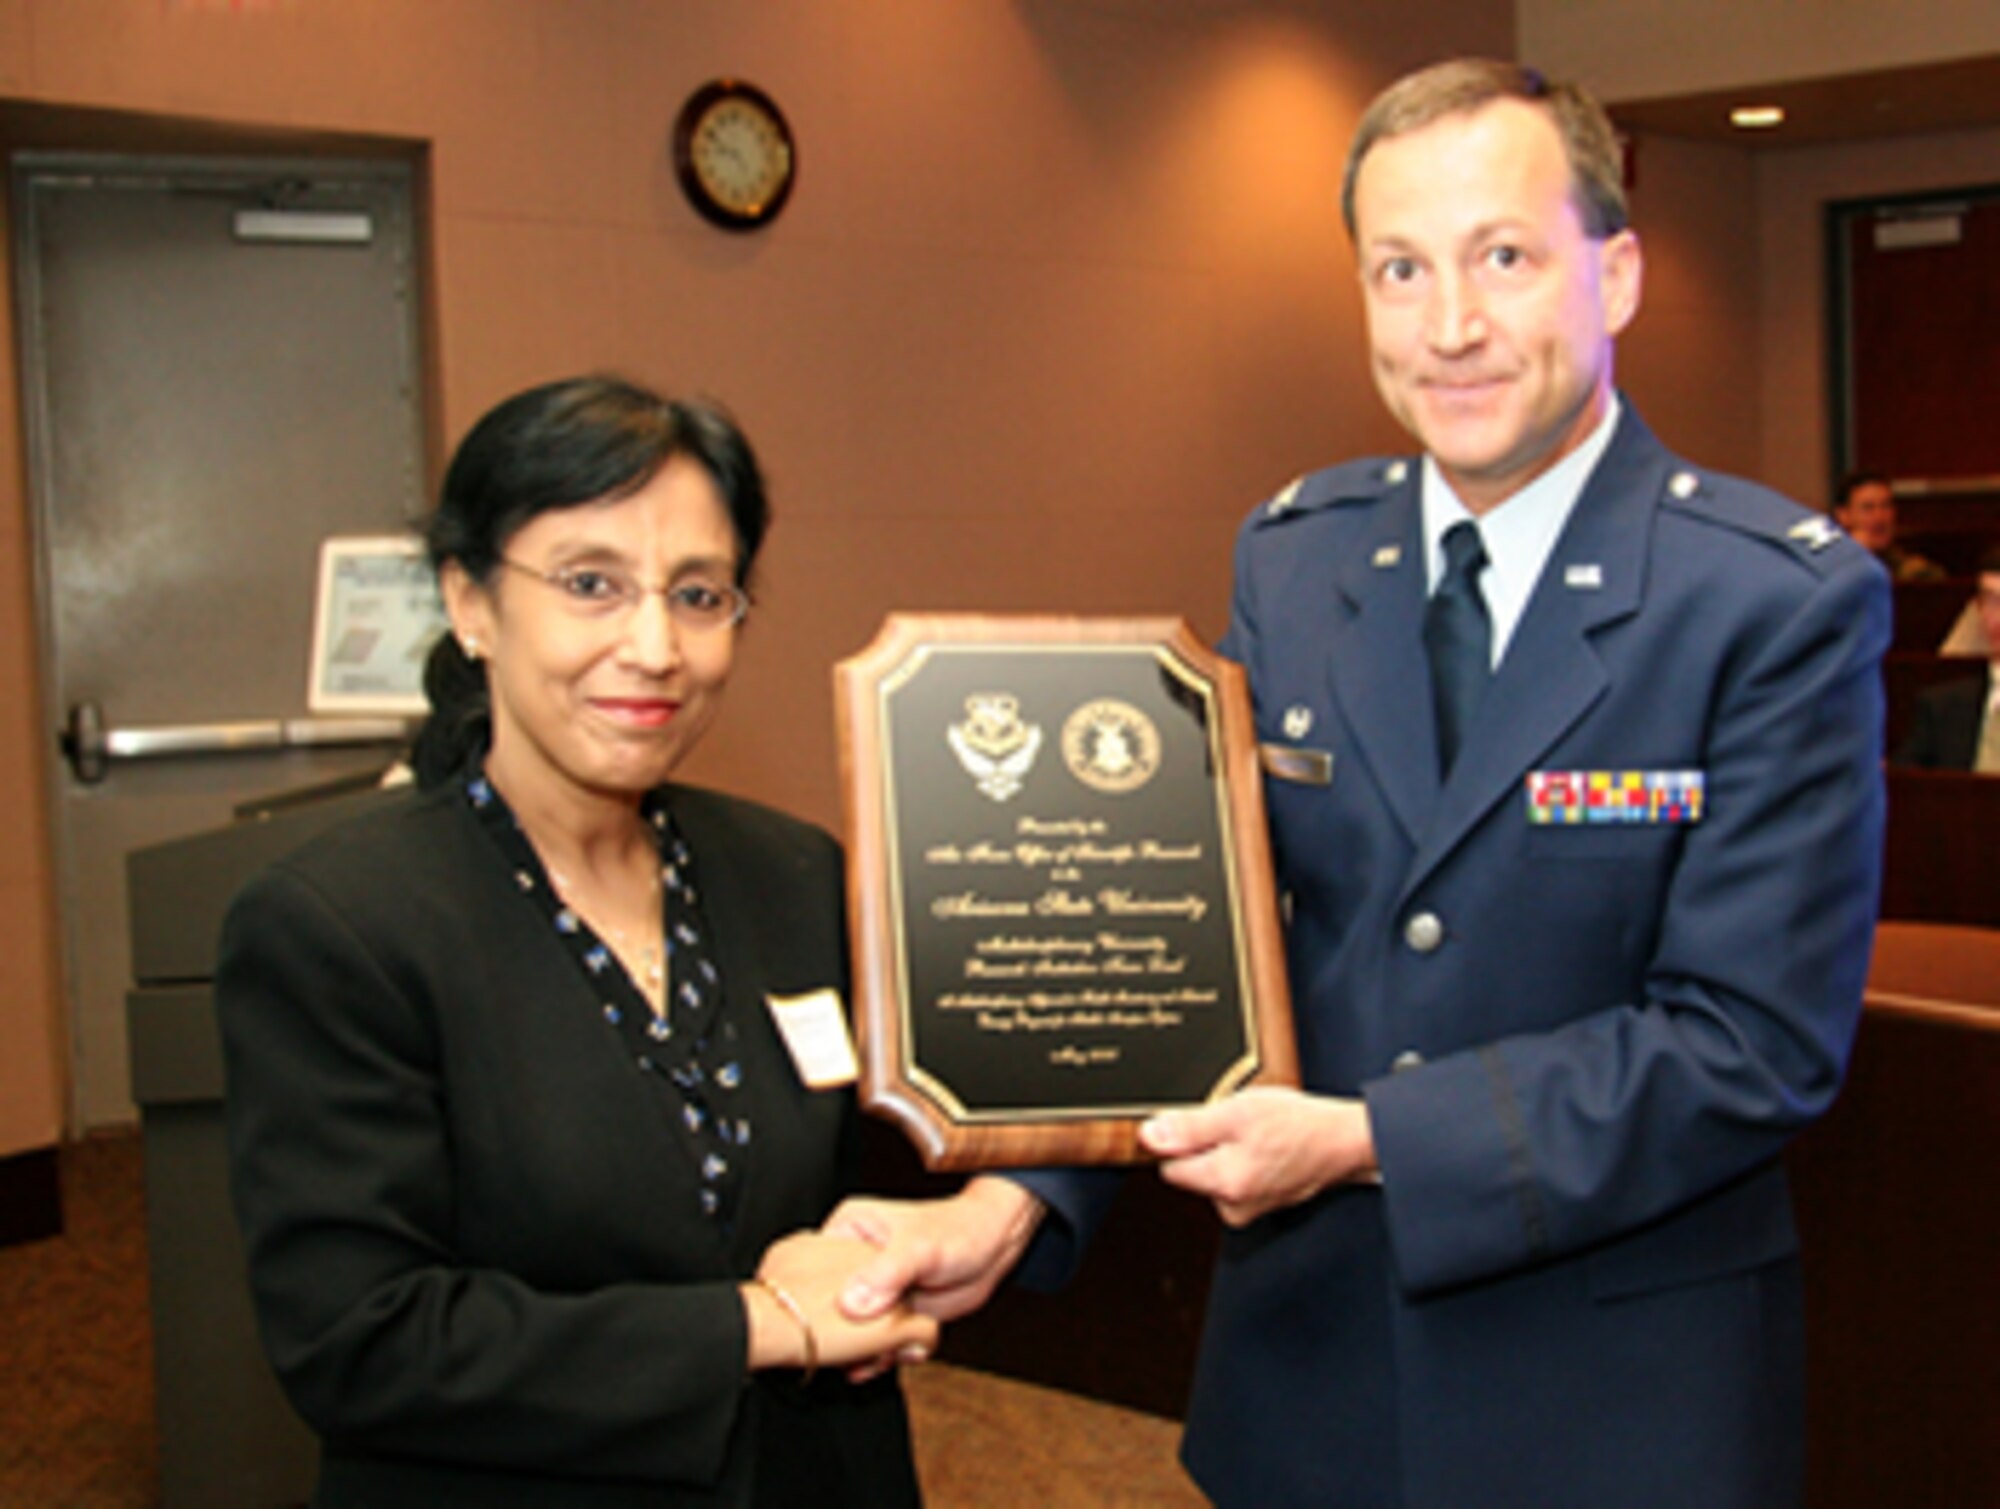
(815, 1032)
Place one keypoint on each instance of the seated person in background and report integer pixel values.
(1867, 511)
(524, 1169)
(1967, 638)
(1958, 723)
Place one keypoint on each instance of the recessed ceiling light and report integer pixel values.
(1757, 117)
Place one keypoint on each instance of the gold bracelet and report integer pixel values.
(792, 1308)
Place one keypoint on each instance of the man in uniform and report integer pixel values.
(1576, 806)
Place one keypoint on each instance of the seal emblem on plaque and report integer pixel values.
(993, 745)
(1111, 746)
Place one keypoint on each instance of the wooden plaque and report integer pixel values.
(1059, 884)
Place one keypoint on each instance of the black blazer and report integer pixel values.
(473, 1239)
(1945, 735)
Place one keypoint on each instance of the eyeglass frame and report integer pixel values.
(625, 602)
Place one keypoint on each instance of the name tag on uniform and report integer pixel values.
(815, 1032)
(1595, 797)
(1309, 767)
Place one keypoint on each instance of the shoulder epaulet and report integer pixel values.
(1751, 509)
(1361, 481)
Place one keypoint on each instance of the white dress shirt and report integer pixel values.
(1519, 532)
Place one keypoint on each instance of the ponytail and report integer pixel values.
(460, 725)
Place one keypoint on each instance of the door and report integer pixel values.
(220, 368)
(1919, 347)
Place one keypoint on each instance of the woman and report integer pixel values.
(516, 1143)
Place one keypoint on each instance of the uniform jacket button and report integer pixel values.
(1423, 932)
(1405, 1061)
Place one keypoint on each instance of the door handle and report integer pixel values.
(90, 746)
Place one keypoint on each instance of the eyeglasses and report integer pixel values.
(698, 604)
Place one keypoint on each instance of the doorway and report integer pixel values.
(220, 367)
(1916, 335)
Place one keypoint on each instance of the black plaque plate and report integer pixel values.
(1059, 883)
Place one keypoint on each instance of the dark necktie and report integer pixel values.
(1458, 637)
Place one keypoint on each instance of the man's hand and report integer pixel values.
(945, 1257)
(941, 1258)
(1262, 1149)
(807, 1327)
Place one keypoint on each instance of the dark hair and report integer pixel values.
(1988, 563)
(580, 440)
(1853, 482)
(1464, 86)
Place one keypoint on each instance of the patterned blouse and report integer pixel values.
(688, 1051)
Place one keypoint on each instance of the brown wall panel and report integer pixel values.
(1062, 290)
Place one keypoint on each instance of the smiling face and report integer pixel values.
(1490, 311)
(588, 705)
(1869, 514)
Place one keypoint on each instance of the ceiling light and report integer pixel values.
(1757, 117)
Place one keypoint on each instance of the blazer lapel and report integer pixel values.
(1551, 674)
(1379, 656)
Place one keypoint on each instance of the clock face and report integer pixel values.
(735, 155)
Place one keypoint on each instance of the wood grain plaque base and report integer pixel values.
(1059, 884)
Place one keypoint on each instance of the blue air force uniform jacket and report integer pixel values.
(1583, 1045)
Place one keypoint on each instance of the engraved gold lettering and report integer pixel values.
(988, 969)
(1057, 902)
(1078, 827)
(1044, 969)
(1124, 903)
(1013, 943)
(1078, 944)
(1124, 944)
(1077, 1002)
(972, 904)
(1072, 1056)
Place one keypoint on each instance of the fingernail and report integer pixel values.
(914, 1354)
(858, 1298)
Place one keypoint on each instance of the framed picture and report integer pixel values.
(375, 619)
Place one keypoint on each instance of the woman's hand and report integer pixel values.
(795, 1319)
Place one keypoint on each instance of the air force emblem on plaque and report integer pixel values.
(1111, 745)
(994, 745)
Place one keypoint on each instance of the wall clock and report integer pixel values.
(734, 154)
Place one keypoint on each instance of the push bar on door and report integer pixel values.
(91, 747)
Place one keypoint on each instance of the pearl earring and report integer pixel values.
(471, 646)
